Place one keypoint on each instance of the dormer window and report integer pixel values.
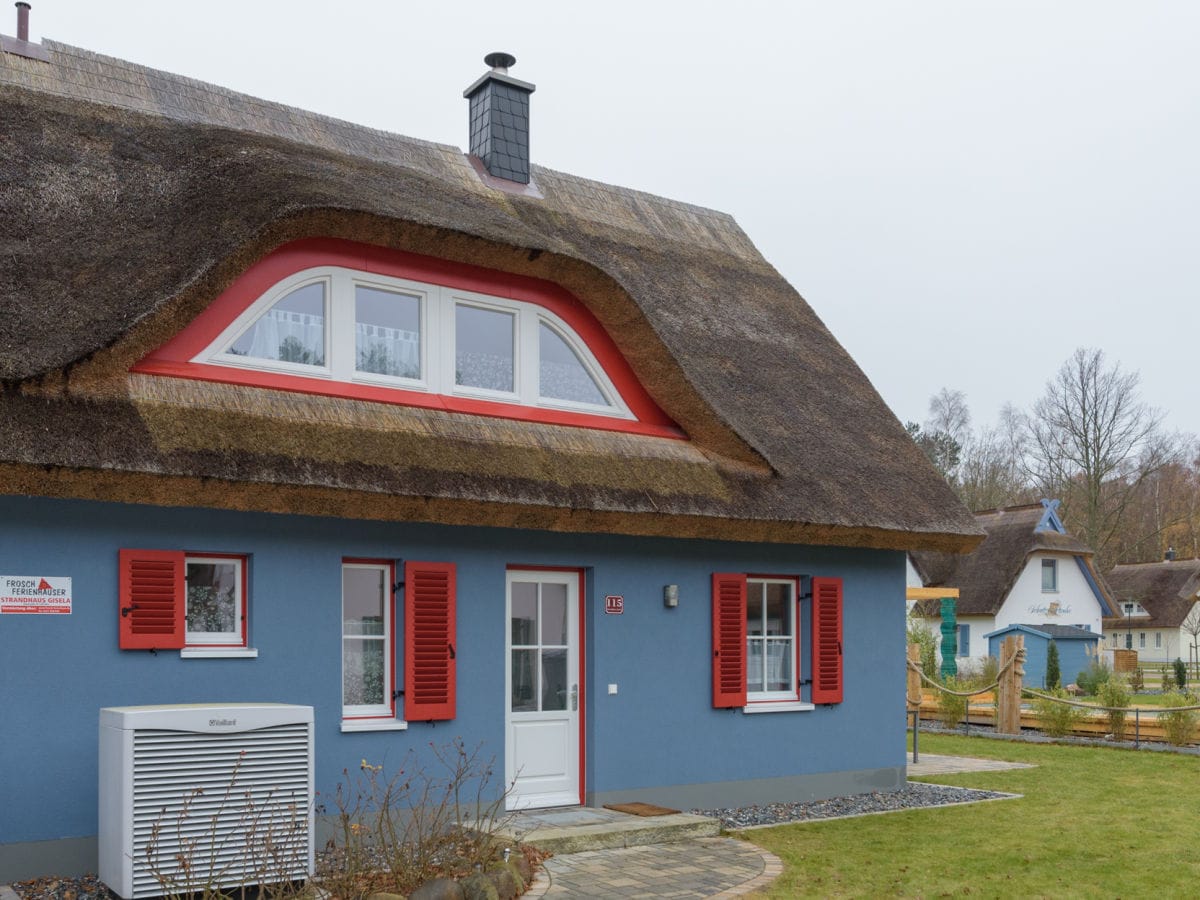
(342, 325)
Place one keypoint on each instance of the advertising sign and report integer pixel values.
(35, 595)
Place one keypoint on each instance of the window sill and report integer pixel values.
(350, 725)
(218, 653)
(778, 706)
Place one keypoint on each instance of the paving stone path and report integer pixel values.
(705, 867)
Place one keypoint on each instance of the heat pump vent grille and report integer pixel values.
(234, 805)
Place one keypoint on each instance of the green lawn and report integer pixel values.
(1093, 822)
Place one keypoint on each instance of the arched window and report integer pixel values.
(343, 325)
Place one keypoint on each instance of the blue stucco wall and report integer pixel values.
(1072, 657)
(57, 672)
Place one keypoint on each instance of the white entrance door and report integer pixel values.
(541, 745)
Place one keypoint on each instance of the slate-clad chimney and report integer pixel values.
(499, 119)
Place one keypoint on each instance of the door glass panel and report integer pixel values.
(778, 618)
(362, 672)
(524, 681)
(554, 614)
(561, 374)
(483, 348)
(554, 679)
(524, 613)
(387, 332)
(362, 601)
(292, 330)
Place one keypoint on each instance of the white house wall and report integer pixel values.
(1175, 643)
(1074, 603)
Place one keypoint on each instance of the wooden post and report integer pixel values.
(1008, 691)
(914, 680)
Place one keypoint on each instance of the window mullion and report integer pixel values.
(342, 362)
(528, 370)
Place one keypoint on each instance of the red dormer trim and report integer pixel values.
(174, 358)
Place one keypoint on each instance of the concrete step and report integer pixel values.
(576, 829)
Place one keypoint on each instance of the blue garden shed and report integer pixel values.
(439, 444)
(1074, 646)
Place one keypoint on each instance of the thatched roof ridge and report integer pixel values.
(1167, 590)
(133, 198)
(987, 575)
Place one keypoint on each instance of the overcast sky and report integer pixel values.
(963, 191)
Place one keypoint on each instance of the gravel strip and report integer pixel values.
(913, 796)
(53, 888)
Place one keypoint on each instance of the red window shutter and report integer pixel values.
(729, 640)
(429, 637)
(827, 640)
(152, 614)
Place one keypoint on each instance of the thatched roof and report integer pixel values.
(131, 198)
(1166, 590)
(985, 577)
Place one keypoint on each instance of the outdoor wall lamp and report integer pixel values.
(670, 596)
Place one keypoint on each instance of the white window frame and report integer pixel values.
(438, 350)
(218, 639)
(792, 694)
(1051, 566)
(964, 646)
(386, 710)
(1158, 640)
(1141, 640)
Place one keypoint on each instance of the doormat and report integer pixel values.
(640, 809)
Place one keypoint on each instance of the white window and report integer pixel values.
(1049, 575)
(368, 670)
(964, 640)
(1141, 640)
(1112, 639)
(772, 639)
(343, 325)
(1158, 640)
(216, 601)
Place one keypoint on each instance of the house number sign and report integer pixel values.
(35, 595)
(614, 604)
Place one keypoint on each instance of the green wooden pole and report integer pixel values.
(949, 639)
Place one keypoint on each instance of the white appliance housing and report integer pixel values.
(226, 787)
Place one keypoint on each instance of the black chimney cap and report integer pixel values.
(499, 60)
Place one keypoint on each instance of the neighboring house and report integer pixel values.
(1157, 611)
(441, 444)
(1027, 571)
(1076, 650)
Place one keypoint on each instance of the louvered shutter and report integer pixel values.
(429, 638)
(729, 640)
(152, 610)
(827, 640)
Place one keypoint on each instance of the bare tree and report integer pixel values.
(1092, 443)
(949, 413)
(1191, 625)
(992, 473)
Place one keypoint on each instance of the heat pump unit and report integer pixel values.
(214, 795)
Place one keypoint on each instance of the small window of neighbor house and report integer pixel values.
(1049, 575)
(1141, 640)
(964, 640)
(1158, 640)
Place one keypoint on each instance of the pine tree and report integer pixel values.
(1053, 676)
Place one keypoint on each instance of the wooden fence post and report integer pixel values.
(1008, 691)
(914, 680)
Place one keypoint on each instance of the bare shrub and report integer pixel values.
(1056, 719)
(1179, 725)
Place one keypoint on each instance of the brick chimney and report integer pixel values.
(499, 120)
(21, 45)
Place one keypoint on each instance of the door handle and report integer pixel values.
(574, 698)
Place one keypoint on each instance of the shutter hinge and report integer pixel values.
(126, 610)
(451, 648)
(396, 695)
(397, 586)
